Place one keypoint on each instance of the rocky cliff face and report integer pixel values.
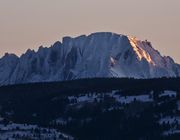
(96, 55)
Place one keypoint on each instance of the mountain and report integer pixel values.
(101, 54)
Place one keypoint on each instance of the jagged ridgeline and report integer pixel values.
(106, 108)
(96, 55)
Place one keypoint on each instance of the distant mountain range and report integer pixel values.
(97, 55)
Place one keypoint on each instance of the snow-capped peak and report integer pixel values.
(97, 55)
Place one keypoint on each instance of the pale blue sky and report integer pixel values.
(30, 23)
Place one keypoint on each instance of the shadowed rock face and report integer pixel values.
(96, 55)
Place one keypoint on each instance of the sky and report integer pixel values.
(31, 23)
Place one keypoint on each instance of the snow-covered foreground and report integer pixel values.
(14, 131)
(109, 102)
(118, 97)
(168, 120)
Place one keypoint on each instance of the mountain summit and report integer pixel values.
(97, 55)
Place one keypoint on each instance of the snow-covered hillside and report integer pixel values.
(97, 55)
(13, 131)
